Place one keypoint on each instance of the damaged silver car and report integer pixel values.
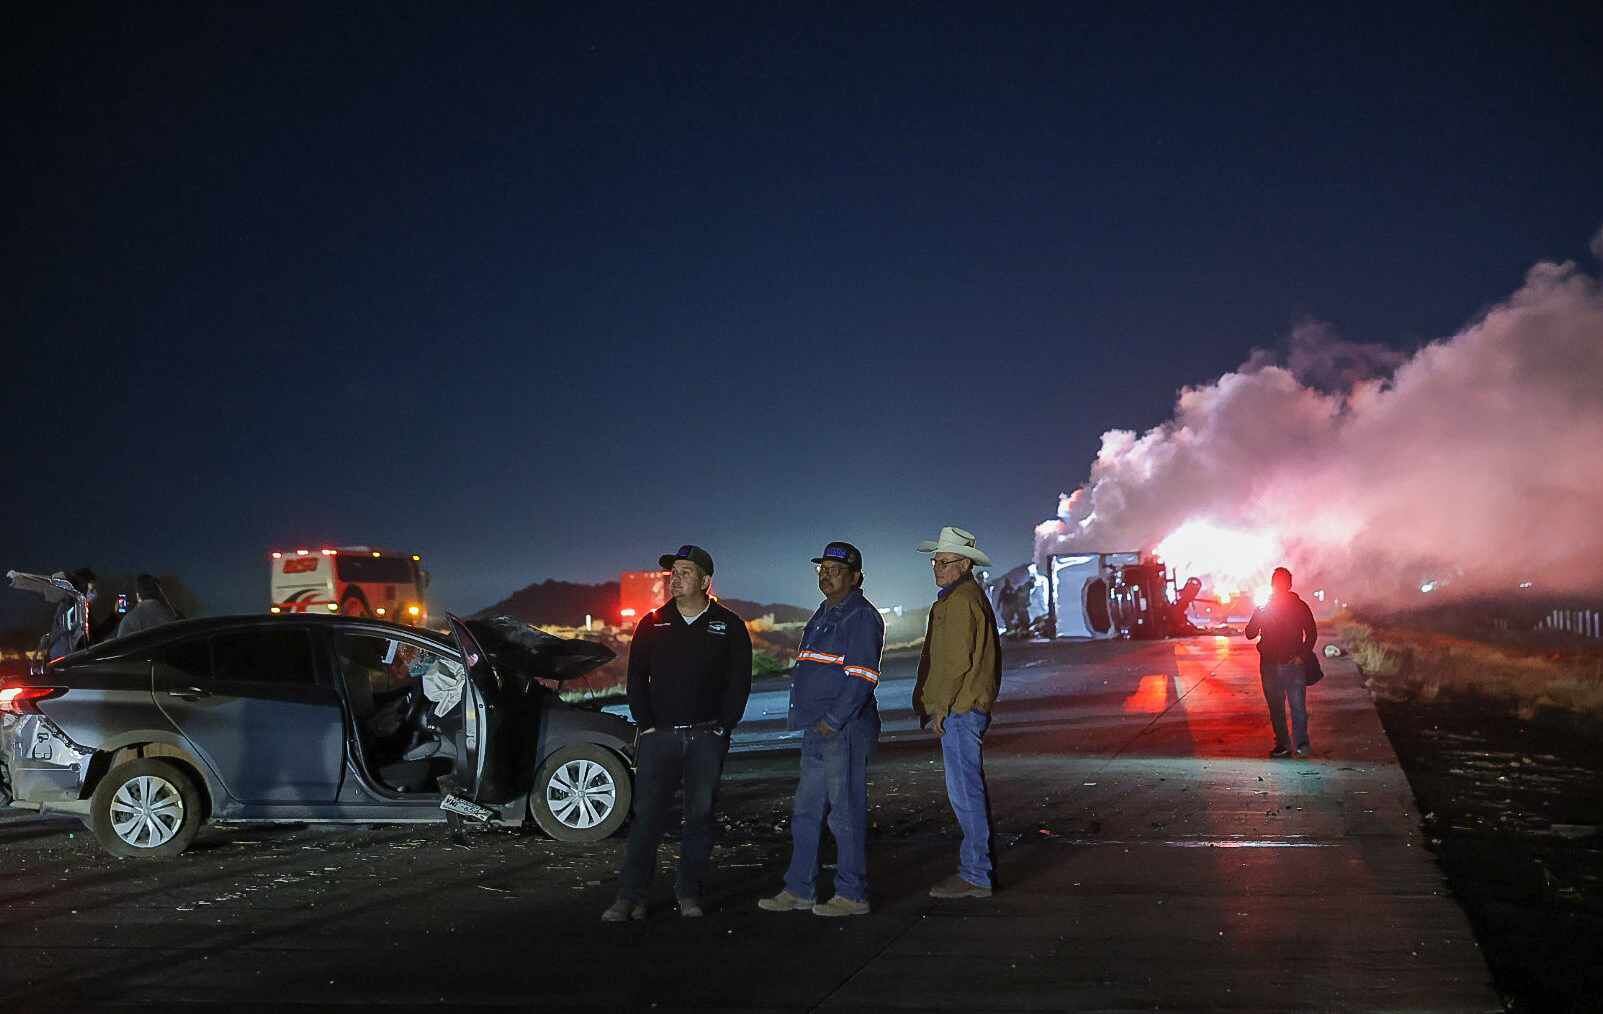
(313, 719)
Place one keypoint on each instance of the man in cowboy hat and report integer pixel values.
(958, 677)
(832, 701)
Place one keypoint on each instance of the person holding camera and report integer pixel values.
(150, 608)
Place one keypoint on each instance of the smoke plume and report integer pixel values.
(1475, 464)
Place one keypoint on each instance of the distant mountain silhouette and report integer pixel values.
(565, 604)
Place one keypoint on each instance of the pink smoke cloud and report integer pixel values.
(1476, 462)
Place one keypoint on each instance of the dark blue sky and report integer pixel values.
(545, 294)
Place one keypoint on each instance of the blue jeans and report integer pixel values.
(965, 787)
(666, 759)
(1282, 684)
(833, 787)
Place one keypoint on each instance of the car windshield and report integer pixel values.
(375, 569)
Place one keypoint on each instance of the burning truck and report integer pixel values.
(1090, 595)
(1101, 596)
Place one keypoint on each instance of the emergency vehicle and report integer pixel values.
(639, 592)
(351, 581)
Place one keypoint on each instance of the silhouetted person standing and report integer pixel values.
(69, 628)
(1288, 634)
(151, 609)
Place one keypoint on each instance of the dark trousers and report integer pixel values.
(1282, 686)
(668, 759)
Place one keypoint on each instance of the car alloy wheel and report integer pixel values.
(582, 793)
(147, 811)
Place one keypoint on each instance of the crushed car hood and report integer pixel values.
(519, 649)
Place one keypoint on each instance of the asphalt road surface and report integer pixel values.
(1149, 856)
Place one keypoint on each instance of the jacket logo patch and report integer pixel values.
(717, 627)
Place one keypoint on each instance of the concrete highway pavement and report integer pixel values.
(1149, 856)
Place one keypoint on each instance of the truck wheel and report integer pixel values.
(581, 793)
(354, 605)
(146, 809)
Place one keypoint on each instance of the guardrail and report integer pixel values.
(1586, 622)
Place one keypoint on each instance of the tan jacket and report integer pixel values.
(961, 668)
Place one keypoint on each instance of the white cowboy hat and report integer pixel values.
(957, 542)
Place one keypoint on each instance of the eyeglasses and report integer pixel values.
(833, 569)
(938, 564)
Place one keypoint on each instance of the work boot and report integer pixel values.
(690, 908)
(956, 887)
(784, 901)
(623, 910)
(1279, 751)
(1303, 752)
(838, 906)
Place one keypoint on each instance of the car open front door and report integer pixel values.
(493, 762)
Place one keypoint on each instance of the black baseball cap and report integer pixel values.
(842, 552)
(695, 554)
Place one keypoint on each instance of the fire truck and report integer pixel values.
(639, 592)
(350, 580)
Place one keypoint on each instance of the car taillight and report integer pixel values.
(24, 700)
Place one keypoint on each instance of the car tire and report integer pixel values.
(581, 793)
(146, 809)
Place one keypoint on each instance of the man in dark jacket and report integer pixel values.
(151, 610)
(689, 677)
(1288, 633)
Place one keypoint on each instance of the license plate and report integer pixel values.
(468, 809)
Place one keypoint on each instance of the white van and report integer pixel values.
(351, 581)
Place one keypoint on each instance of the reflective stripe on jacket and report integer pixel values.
(837, 666)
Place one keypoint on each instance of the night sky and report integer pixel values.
(543, 294)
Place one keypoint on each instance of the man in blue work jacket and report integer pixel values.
(832, 701)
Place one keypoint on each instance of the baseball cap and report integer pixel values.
(842, 552)
(695, 554)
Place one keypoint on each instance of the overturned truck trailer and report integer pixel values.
(1090, 596)
(1080, 593)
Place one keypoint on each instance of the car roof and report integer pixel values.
(117, 647)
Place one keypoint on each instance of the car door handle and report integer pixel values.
(189, 692)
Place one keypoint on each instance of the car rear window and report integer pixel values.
(264, 656)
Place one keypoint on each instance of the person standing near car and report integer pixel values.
(832, 701)
(150, 609)
(959, 674)
(1286, 633)
(689, 677)
(69, 627)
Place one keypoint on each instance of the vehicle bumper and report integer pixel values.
(45, 766)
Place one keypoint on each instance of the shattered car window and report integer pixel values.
(392, 664)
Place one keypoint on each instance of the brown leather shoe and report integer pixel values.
(956, 887)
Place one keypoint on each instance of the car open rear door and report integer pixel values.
(493, 762)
